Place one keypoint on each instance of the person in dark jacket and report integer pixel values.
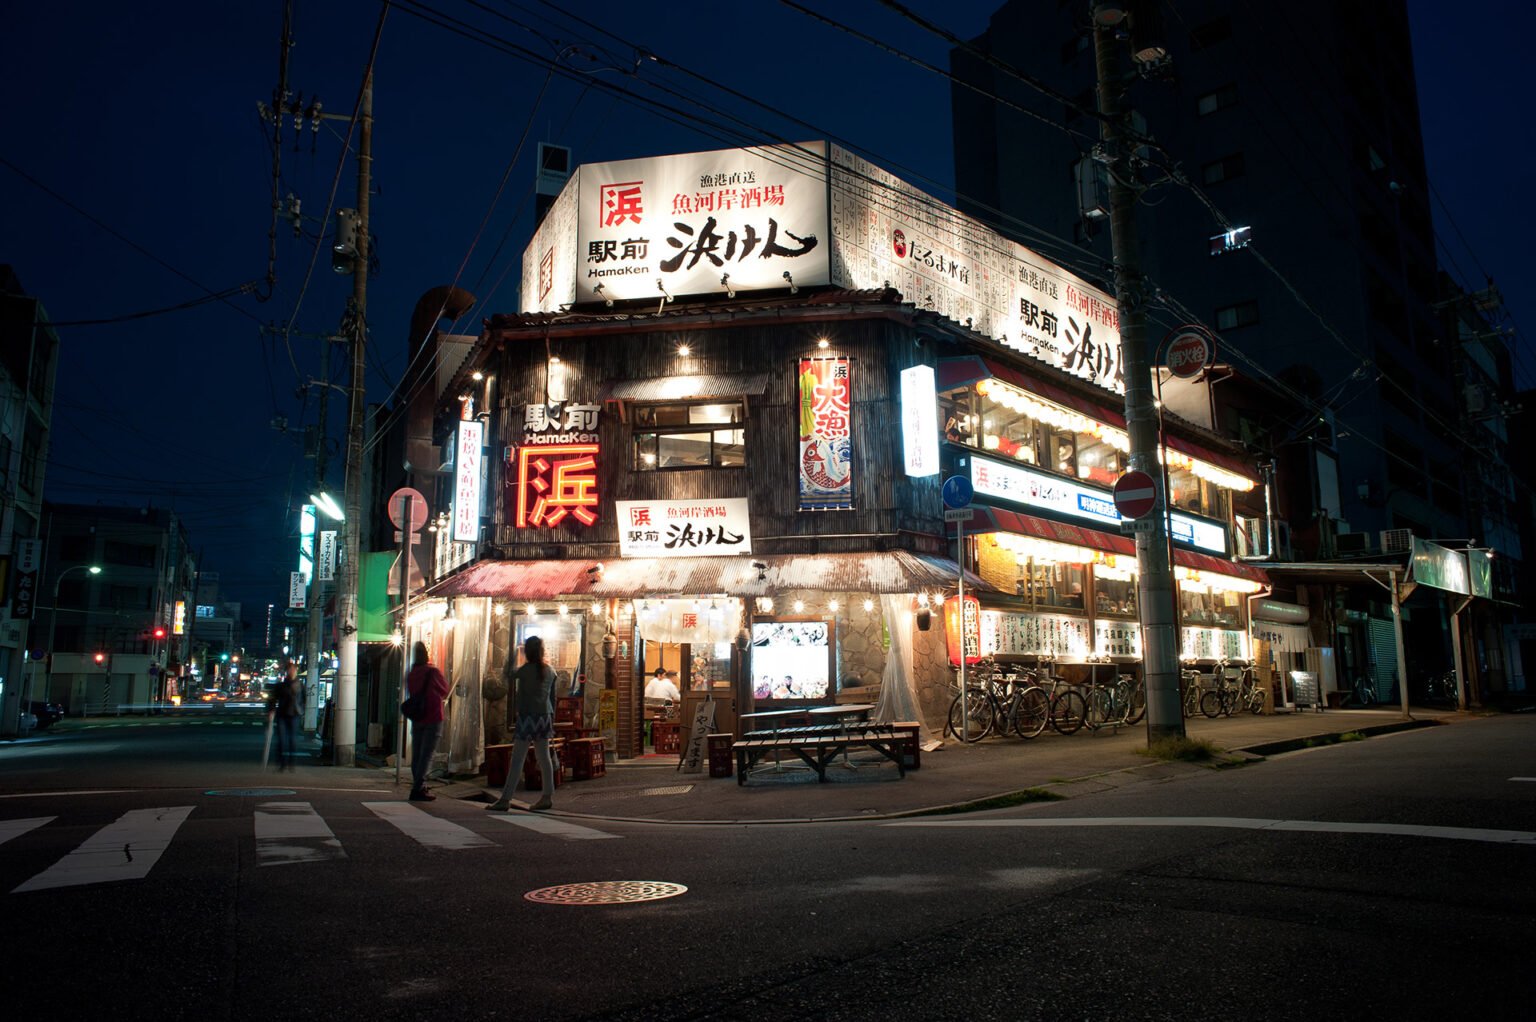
(427, 728)
(533, 685)
(285, 705)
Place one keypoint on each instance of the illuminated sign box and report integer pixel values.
(919, 421)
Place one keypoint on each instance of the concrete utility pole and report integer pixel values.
(316, 587)
(1154, 575)
(345, 717)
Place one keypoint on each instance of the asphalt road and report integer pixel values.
(1386, 877)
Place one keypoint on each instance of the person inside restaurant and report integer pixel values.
(661, 688)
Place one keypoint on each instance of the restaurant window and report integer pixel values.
(1056, 584)
(1189, 492)
(668, 436)
(1209, 608)
(1114, 591)
(1098, 462)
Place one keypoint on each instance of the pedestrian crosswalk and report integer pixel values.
(286, 833)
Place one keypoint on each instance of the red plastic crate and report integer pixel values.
(721, 759)
(568, 710)
(584, 756)
(666, 735)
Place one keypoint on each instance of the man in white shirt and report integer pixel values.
(662, 687)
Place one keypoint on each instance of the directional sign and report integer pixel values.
(1135, 494)
(958, 492)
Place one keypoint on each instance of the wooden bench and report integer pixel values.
(818, 745)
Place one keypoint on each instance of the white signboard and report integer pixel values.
(883, 230)
(1023, 485)
(919, 421)
(698, 223)
(466, 481)
(328, 556)
(298, 585)
(683, 528)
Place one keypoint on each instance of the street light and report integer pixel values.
(327, 503)
(53, 626)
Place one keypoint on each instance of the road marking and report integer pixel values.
(1519, 837)
(423, 827)
(550, 826)
(126, 849)
(16, 828)
(56, 794)
(290, 832)
(1523, 778)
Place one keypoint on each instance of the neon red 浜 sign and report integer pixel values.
(553, 481)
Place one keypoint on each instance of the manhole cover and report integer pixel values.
(675, 789)
(251, 792)
(606, 892)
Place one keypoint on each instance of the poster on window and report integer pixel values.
(791, 659)
(826, 434)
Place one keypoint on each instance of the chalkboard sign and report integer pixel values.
(1304, 686)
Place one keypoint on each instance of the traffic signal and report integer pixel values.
(159, 632)
(103, 660)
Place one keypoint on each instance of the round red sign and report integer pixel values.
(1135, 494)
(396, 508)
(1189, 354)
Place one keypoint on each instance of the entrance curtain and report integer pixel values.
(898, 686)
(698, 621)
(463, 743)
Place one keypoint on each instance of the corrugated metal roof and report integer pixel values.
(896, 571)
(683, 388)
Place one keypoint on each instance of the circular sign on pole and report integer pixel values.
(1135, 494)
(418, 508)
(958, 492)
(1190, 353)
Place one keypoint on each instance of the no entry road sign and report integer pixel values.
(1135, 494)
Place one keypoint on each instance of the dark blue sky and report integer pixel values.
(148, 123)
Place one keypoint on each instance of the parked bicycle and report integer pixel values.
(1443, 688)
(1116, 703)
(1236, 689)
(1190, 690)
(1362, 692)
(1068, 709)
(997, 701)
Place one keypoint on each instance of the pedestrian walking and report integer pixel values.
(427, 726)
(533, 685)
(285, 705)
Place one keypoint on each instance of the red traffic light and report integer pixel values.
(100, 658)
(159, 632)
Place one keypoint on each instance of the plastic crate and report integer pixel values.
(584, 758)
(721, 760)
(667, 736)
(568, 710)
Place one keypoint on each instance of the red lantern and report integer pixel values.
(972, 629)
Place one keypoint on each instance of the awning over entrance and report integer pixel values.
(996, 519)
(1219, 566)
(896, 571)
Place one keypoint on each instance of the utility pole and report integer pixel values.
(316, 587)
(1154, 575)
(345, 717)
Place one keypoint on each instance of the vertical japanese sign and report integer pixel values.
(826, 434)
(328, 555)
(962, 628)
(298, 583)
(466, 481)
(179, 619)
(306, 540)
(919, 421)
(29, 555)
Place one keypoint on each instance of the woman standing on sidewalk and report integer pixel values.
(425, 729)
(533, 685)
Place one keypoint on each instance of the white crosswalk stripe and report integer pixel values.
(16, 828)
(550, 826)
(290, 832)
(126, 849)
(426, 829)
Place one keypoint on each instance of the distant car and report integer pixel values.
(46, 713)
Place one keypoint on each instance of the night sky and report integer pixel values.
(150, 178)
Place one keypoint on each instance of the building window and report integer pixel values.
(1212, 32)
(132, 555)
(1224, 169)
(689, 436)
(1233, 316)
(1219, 100)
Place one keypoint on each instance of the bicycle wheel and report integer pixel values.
(1210, 704)
(1032, 712)
(978, 720)
(1138, 704)
(1067, 711)
(1100, 707)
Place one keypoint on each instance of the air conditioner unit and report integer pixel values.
(1350, 544)
(1397, 541)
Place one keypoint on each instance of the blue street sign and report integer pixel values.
(958, 492)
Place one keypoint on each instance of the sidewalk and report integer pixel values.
(652, 788)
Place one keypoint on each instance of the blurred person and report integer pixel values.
(427, 728)
(285, 705)
(533, 691)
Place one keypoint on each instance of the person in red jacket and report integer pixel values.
(426, 729)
